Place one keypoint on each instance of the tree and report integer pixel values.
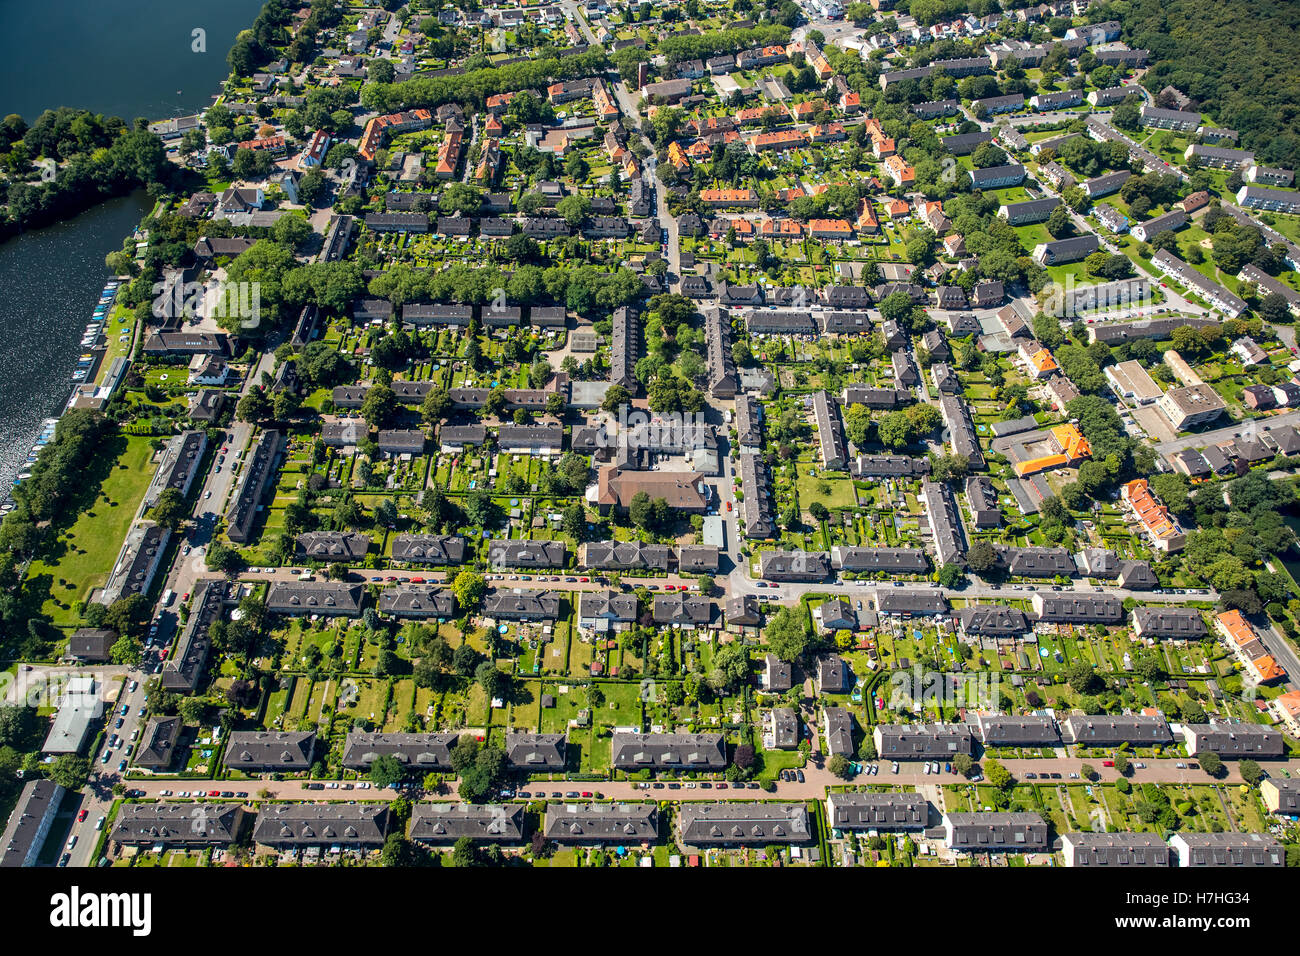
(1087, 771)
(963, 764)
(470, 588)
(1211, 763)
(951, 576)
(1082, 678)
(1250, 772)
(170, 510)
(126, 651)
(386, 770)
(839, 765)
(787, 633)
(998, 775)
(640, 510)
(1121, 764)
(70, 771)
(818, 511)
(982, 557)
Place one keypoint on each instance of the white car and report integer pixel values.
(207, 494)
(99, 824)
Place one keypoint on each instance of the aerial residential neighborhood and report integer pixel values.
(673, 435)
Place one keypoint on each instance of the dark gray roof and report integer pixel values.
(91, 644)
(1078, 609)
(429, 548)
(878, 811)
(1115, 849)
(1036, 562)
(996, 831)
(333, 545)
(682, 608)
(616, 823)
(733, 824)
(184, 824)
(1234, 740)
(185, 667)
(420, 751)
(794, 565)
(613, 605)
(349, 825)
(1182, 623)
(314, 597)
(998, 730)
(923, 741)
(418, 601)
(668, 751)
(992, 620)
(896, 560)
(910, 601)
(536, 751)
(448, 822)
(29, 823)
(526, 554)
(833, 675)
(1102, 731)
(254, 750)
(521, 603)
(1230, 849)
(158, 743)
(625, 555)
(697, 557)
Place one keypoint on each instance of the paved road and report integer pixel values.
(1226, 433)
(814, 787)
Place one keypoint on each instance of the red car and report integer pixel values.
(417, 580)
(214, 793)
(728, 505)
(82, 815)
(584, 580)
(1108, 763)
(586, 793)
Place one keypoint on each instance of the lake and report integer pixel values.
(127, 58)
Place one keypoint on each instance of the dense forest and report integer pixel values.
(1235, 58)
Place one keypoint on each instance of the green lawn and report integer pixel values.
(83, 557)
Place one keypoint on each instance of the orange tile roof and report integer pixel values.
(1043, 361)
(727, 195)
(1153, 515)
(835, 226)
(783, 137)
(1268, 669)
(1072, 441)
(1289, 703)
(1237, 627)
(867, 221)
(781, 228)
